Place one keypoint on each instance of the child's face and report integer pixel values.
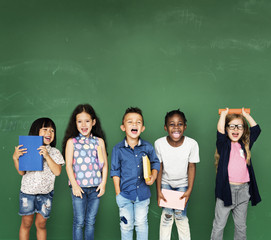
(235, 129)
(132, 125)
(48, 134)
(84, 123)
(175, 128)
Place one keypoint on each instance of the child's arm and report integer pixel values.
(17, 153)
(191, 179)
(155, 166)
(55, 168)
(158, 185)
(250, 120)
(116, 181)
(76, 189)
(101, 187)
(221, 121)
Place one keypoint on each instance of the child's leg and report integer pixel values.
(167, 219)
(126, 212)
(239, 213)
(79, 210)
(166, 223)
(27, 210)
(26, 224)
(92, 209)
(40, 223)
(141, 209)
(182, 224)
(181, 219)
(221, 217)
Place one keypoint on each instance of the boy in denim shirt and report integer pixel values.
(132, 192)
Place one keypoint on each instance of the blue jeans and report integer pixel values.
(39, 203)
(84, 213)
(133, 213)
(168, 216)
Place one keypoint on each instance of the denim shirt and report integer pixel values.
(126, 163)
(222, 189)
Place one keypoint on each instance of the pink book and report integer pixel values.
(173, 199)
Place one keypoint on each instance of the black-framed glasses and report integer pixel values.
(238, 126)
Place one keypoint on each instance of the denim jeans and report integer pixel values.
(168, 216)
(240, 198)
(84, 213)
(133, 213)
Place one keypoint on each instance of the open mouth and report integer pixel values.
(176, 134)
(235, 135)
(47, 139)
(134, 131)
(84, 130)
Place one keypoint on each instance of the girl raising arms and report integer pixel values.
(235, 179)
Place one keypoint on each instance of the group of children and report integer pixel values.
(173, 166)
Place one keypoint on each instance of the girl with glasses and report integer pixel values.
(235, 180)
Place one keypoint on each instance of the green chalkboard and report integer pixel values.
(158, 55)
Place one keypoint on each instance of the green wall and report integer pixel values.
(158, 55)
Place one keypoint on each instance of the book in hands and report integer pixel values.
(146, 168)
(173, 199)
(234, 110)
(32, 160)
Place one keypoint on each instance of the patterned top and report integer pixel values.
(86, 165)
(42, 182)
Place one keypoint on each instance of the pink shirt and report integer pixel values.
(237, 168)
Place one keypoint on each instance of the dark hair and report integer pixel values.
(41, 123)
(173, 112)
(72, 131)
(133, 110)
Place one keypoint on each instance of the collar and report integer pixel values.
(82, 136)
(138, 144)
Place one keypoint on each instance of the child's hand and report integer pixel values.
(244, 113)
(77, 191)
(151, 181)
(101, 188)
(225, 112)
(186, 195)
(43, 151)
(159, 197)
(153, 177)
(19, 152)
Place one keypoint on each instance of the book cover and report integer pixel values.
(32, 160)
(173, 199)
(146, 168)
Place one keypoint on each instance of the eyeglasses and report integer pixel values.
(233, 126)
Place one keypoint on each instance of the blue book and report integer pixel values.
(32, 160)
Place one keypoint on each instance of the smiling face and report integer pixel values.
(84, 123)
(48, 134)
(132, 125)
(235, 134)
(175, 127)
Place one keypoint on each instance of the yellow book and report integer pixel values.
(146, 168)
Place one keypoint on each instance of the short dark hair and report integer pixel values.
(41, 123)
(133, 110)
(173, 112)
